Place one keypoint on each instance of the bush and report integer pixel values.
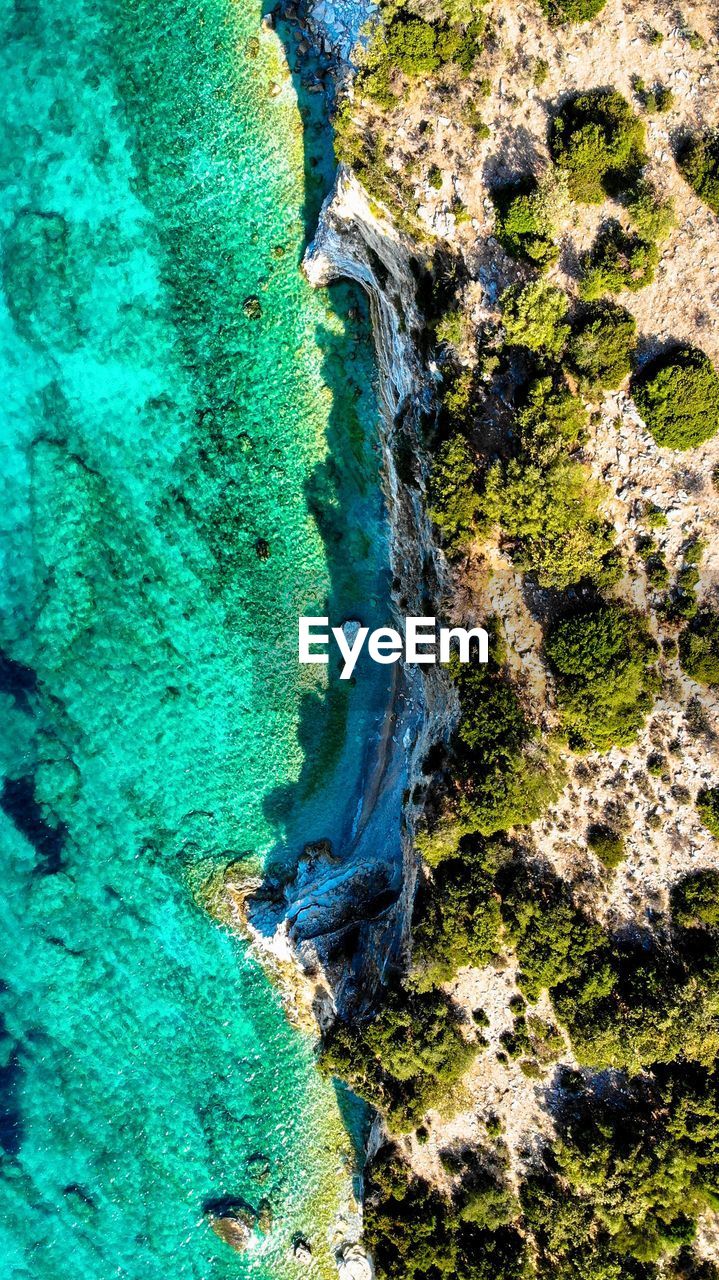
(678, 397)
(406, 1059)
(416, 48)
(551, 421)
(652, 217)
(559, 11)
(415, 1233)
(606, 678)
(452, 496)
(699, 647)
(708, 810)
(496, 776)
(553, 940)
(699, 164)
(597, 138)
(528, 216)
(617, 260)
(554, 516)
(616, 1155)
(600, 347)
(695, 899)
(456, 919)
(534, 317)
(607, 844)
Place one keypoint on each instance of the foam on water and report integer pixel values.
(157, 722)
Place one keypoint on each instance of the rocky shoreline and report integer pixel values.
(344, 919)
(333, 933)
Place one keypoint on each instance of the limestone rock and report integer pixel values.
(233, 1223)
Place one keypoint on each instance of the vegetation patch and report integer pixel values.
(405, 1058)
(606, 678)
(528, 217)
(559, 11)
(698, 161)
(456, 919)
(598, 140)
(606, 843)
(495, 776)
(452, 494)
(534, 317)
(405, 46)
(699, 647)
(695, 899)
(618, 260)
(678, 397)
(600, 347)
(708, 810)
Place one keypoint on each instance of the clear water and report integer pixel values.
(156, 722)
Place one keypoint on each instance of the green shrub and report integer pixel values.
(652, 217)
(655, 517)
(540, 73)
(607, 844)
(695, 899)
(534, 317)
(600, 347)
(597, 138)
(559, 11)
(415, 1233)
(615, 1154)
(657, 572)
(456, 919)
(617, 260)
(554, 516)
(708, 810)
(663, 98)
(606, 678)
(553, 940)
(451, 328)
(678, 397)
(528, 216)
(405, 1059)
(416, 48)
(551, 421)
(699, 647)
(496, 775)
(452, 496)
(699, 164)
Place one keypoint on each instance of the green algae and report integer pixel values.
(157, 723)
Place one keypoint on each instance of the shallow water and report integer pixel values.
(157, 722)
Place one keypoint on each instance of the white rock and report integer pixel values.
(353, 1263)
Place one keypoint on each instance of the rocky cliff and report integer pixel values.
(344, 919)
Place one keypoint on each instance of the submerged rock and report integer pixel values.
(265, 1217)
(258, 1167)
(234, 1223)
(252, 307)
(302, 1250)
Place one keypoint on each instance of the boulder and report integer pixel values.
(353, 1263)
(233, 1223)
(252, 307)
(302, 1250)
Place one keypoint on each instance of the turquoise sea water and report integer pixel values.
(156, 722)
